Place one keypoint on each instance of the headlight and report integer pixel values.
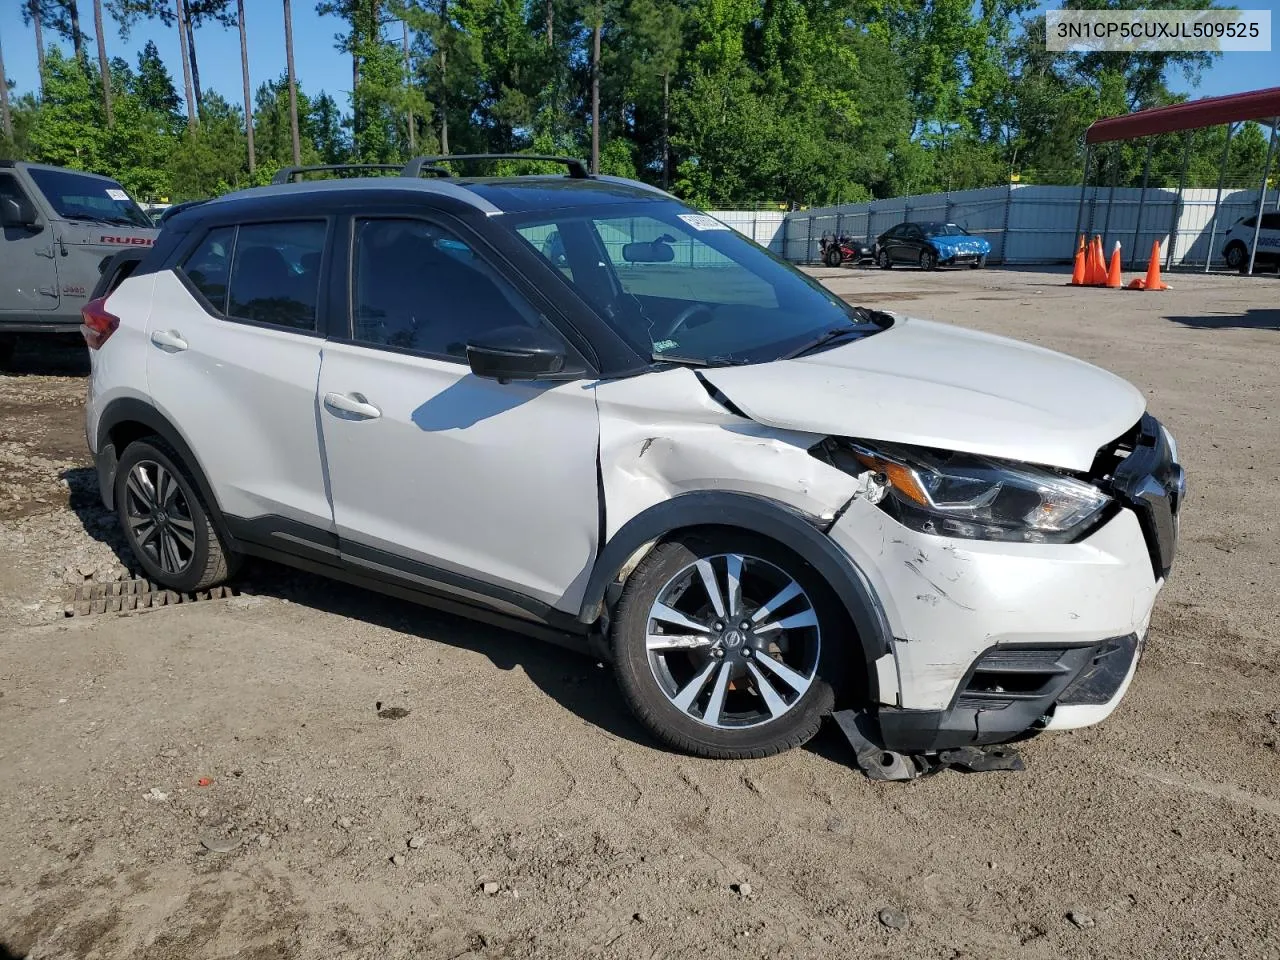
(979, 498)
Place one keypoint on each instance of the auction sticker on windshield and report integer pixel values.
(702, 222)
(117, 194)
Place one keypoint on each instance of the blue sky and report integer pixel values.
(320, 66)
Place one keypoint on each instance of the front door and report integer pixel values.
(28, 262)
(438, 475)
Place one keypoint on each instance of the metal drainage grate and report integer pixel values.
(125, 595)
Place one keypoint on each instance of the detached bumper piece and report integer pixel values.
(1009, 693)
(881, 764)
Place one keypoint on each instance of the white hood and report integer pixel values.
(940, 386)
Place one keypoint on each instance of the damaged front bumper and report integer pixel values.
(993, 641)
(1011, 691)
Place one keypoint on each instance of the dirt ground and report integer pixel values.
(371, 765)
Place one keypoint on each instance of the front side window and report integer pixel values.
(1271, 221)
(681, 285)
(418, 287)
(9, 189)
(275, 274)
(78, 197)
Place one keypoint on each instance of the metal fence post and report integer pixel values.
(1004, 227)
(808, 244)
(1177, 204)
(1262, 193)
(1084, 189)
(1111, 193)
(1142, 201)
(1217, 201)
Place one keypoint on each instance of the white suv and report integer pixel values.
(1239, 241)
(574, 406)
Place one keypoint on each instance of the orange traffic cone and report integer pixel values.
(1099, 263)
(1153, 281)
(1113, 273)
(1090, 269)
(1077, 270)
(1137, 283)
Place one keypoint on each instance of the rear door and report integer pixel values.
(28, 261)
(232, 360)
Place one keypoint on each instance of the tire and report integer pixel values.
(832, 257)
(928, 260)
(199, 559)
(745, 721)
(980, 263)
(882, 258)
(1237, 256)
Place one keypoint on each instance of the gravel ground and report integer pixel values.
(308, 771)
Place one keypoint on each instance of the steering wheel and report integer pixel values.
(683, 317)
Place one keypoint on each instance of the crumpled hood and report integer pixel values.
(936, 385)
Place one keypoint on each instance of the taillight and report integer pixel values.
(98, 323)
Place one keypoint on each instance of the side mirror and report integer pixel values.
(516, 353)
(17, 213)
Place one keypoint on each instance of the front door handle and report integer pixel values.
(169, 341)
(354, 404)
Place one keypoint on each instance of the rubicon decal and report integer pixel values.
(128, 241)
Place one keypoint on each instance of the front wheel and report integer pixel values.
(980, 262)
(883, 260)
(928, 260)
(728, 645)
(832, 257)
(165, 522)
(1237, 256)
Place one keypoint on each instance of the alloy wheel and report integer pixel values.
(159, 517)
(733, 641)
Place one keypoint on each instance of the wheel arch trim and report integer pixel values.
(770, 518)
(132, 410)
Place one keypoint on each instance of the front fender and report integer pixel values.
(770, 518)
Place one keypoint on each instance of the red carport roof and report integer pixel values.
(1262, 105)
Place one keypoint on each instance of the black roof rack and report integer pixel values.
(415, 167)
(289, 174)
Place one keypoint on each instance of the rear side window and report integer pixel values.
(275, 274)
(1271, 221)
(265, 273)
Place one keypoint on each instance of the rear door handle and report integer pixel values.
(354, 404)
(169, 341)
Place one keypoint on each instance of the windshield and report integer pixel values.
(681, 286)
(943, 230)
(79, 197)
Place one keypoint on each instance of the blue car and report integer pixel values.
(929, 245)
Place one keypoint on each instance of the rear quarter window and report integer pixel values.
(208, 266)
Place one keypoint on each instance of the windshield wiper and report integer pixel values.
(824, 338)
(717, 361)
